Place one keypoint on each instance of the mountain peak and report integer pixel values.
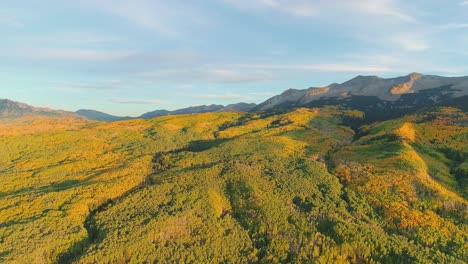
(415, 75)
(374, 94)
(13, 109)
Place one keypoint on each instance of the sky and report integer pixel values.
(127, 57)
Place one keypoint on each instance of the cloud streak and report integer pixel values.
(314, 9)
(78, 87)
(221, 96)
(455, 26)
(73, 38)
(69, 54)
(138, 101)
(9, 17)
(318, 67)
(233, 96)
(386, 8)
(410, 42)
(297, 8)
(214, 74)
(170, 19)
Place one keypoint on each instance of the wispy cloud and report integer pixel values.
(69, 54)
(138, 101)
(400, 63)
(221, 96)
(464, 3)
(386, 8)
(147, 14)
(318, 67)
(299, 8)
(307, 8)
(168, 18)
(216, 74)
(409, 42)
(72, 38)
(8, 17)
(250, 73)
(389, 18)
(232, 76)
(233, 96)
(76, 87)
(455, 26)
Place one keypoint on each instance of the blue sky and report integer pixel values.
(133, 56)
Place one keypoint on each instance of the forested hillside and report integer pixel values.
(284, 186)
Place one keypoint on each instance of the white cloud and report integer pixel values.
(143, 13)
(73, 38)
(69, 54)
(299, 8)
(221, 96)
(249, 73)
(84, 87)
(400, 63)
(455, 26)
(215, 74)
(8, 17)
(410, 42)
(232, 76)
(331, 8)
(464, 3)
(386, 8)
(318, 67)
(233, 96)
(168, 18)
(138, 101)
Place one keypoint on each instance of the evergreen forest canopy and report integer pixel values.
(303, 185)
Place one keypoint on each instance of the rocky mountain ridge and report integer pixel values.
(431, 87)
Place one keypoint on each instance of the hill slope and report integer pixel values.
(282, 186)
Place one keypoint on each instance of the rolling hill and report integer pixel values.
(283, 184)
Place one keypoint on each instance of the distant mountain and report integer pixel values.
(240, 107)
(12, 109)
(188, 110)
(379, 98)
(100, 116)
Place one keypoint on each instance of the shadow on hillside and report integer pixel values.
(202, 145)
(24, 221)
(96, 235)
(54, 187)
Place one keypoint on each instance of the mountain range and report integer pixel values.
(239, 107)
(12, 109)
(379, 98)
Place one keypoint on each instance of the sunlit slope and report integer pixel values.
(54, 171)
(413, 171)
(261, 191)
(287, 186)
